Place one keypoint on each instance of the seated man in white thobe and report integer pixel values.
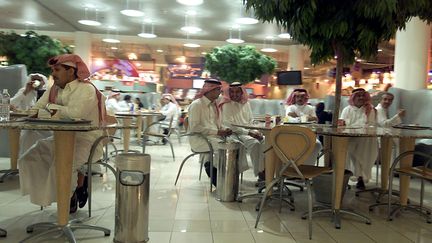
(236, 110)
(362, 151)
(204, 118)
(171, 110)
(112, 103)
(74, 97)
(383, 118)
(25, 99)
(299, 111)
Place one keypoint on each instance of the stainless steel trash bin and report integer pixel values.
(227, 171)
(132, 198)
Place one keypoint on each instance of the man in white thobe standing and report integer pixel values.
(74, 97)
(236, 110)
(362, 151)
(299, 111)
(205, 118)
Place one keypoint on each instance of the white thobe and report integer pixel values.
(125, 106)
(28, 137)
(237, 113)
(299, 110)
(169, 110)
(305, 110)
(23, 101)
(112, 106)
(383, 119)
(37, 166)
(204, 119)
(362, 151)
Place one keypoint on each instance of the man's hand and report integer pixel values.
(292, 114)
(255, 134)
(401, 113)
(29, 87)
(224, 132)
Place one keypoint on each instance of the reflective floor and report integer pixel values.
(189, 213)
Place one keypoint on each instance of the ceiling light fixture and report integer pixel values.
(268, 47)
(285, 35)
(190, 26)
(88, 21)
(246, 17)
(190, 2)
(234, 40)
(109, 38)
(131, 12)
(159, 50)
(145, 34)
(190, 44)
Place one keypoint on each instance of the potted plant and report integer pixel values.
(30, 49)
(342, 29)
(241, 64)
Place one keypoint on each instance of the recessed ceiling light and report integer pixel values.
(147, 35)
(149, 21)
(190, 2)
(89, 22)
(284, 36)
(29, 22)
(235, 40)
(191, 29)
(72, 46)
(112, 27)
(306, 68)
(110, 40)
(246, 20)
(191, 45)
(159, 50)
(268, 49)
(114, 48)
(380, 50)
(132, 13)
(203, 53)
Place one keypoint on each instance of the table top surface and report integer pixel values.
(54, 126)
(344, 131)
(139, 113)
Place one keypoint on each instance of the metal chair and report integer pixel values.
(147, 133)
(293, 145)
(104, 140)
(421, 172)
(210, 153)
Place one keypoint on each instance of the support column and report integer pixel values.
(83, 46)
(412, 55)
(295, 58)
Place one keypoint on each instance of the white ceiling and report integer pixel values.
(214, 17)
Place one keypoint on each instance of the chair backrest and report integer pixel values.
(293, 144)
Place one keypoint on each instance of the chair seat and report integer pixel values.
(308, 171)
(155, 134)
(418, 171)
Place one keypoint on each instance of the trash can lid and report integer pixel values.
(133, 162)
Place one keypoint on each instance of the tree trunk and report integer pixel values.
(338, 91)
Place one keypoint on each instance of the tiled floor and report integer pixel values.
(189, 213)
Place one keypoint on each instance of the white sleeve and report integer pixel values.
(18, 97)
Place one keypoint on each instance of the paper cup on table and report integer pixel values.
(304, 118)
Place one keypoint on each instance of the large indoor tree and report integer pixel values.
(30, 49)
(341, 29)
(241, 64)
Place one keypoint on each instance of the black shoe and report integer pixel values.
(164, 141)
(360, 184)
(82, 193)
(207, 170)
(73, 204)
(261, 176)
